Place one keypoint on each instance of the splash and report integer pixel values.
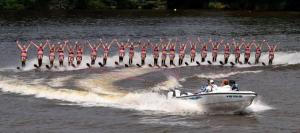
(225, 75)
(99, 90)
(219, 75)
(142, 101)
(258, 106)
(170, 83)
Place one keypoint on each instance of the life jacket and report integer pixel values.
(172, 51)
(144, 50)
(226, 50)
(215, 49)
(52, 52)
(237, 50)
(131, 50)
(23, 52)
(181, 50)
(258, 50)
(71, 53)
(155, 50)
(94, 51)
(204, 50)
(193, 50)
(60, 52)
(106, 50)
(40, 50)
(271, 51)
(247, 50)
(164, 51)
(122, 49)
(79, 52)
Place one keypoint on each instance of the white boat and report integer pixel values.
(219, 101)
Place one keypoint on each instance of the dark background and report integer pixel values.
(286, 5)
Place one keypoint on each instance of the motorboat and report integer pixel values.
(218, 101)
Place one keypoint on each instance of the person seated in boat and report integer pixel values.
(234, 86)
(225, 86)
(211, 86)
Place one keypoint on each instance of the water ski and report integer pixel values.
(116, 63)
(150, 65)
(264, 64)
(126, 65)
(198, 63)
(221, 62)
(88, 65)
(240, 62)
(18, 68)
(48, 67)
(209, 62)
(249, 63)
(36, 66)
(100, 64)
(232, 64)
(138, 65)
(73, 65)
(186, 63)
(165, 66)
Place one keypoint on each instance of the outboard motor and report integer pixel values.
(173, 93)
(177, 93)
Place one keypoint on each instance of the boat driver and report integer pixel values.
(211, 86)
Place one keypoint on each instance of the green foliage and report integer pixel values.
(216, 5)
(149, 4)
(96, 4)
(11, 5)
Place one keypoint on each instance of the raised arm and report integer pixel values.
(28, 47)
(268, 46)
(19, 45)
(112, 41)
(31, 42)
(199, 40)
(49, 46)
(219, 44)
(46, 43)
(90, 44)
(118, 43)
(68, 47)
(275, 46)
(65, 44)
(98, 45)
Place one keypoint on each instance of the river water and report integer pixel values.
(118, 99)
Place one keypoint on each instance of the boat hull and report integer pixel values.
(223, 102)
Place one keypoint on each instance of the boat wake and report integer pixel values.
(99, 90)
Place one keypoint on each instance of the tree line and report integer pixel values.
(149, 4)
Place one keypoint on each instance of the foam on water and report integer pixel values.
(225, 75)
(170, 83)
(258, 106)
(98, 90)
(142, 101)
(219, 75)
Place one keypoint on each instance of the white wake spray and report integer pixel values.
(170, 83)
(219, 75)
(143, 101)
(258, 106)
